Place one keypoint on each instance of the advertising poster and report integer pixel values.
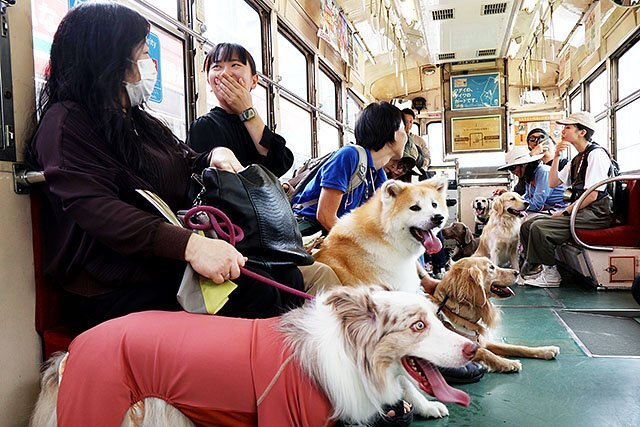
(547, 122)
(476, 133)
(475, 91)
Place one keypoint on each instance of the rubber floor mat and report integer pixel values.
(604, 335)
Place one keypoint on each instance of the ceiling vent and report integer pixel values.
(444, 56)
(442, 14)
(494, 9)
(486, 52)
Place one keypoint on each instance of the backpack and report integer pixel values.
(305, 173)
(617, 189)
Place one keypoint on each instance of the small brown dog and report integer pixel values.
(466, 244)
(464, 296)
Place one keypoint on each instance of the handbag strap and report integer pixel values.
(231, 233)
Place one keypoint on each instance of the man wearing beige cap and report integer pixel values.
(540, 235)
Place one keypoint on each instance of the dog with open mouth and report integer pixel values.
(481, 208)
(339, 357)
(380, 241)
(464, 298)
(501, 236)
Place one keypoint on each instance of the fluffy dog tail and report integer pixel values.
(44, 414)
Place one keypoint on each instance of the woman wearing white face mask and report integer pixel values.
(104, 245)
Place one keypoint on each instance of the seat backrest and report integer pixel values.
(633, 210)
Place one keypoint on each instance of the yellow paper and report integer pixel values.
(215, 295)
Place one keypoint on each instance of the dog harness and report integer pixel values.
(217, 371)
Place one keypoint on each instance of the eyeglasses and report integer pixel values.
(512, 168)
(536, 138)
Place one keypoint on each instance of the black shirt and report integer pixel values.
(218, 128)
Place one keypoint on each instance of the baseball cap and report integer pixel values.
(518, 156)
(582, 117)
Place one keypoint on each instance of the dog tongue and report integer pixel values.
(441, 390)
(431, 243)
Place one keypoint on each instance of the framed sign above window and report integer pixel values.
(475, 91)
(481, 133)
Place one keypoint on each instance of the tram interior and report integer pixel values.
(547, 58)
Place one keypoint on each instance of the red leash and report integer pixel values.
(230, 232)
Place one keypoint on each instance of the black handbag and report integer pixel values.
(254, 200)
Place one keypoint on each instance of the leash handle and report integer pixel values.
(232, 233)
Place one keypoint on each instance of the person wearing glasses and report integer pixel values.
(539, 142)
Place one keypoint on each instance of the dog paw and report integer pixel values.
(433, 410)
(507, 366)
(549, 352)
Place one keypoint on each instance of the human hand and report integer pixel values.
(562, 146)
(498, 191)
(233, 93)
(556, 213)
(214, 259)
(223, 158)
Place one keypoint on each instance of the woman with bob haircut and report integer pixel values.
(235, 124)
(105, 246)
(380, 130)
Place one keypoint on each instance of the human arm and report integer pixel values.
(426, 281)
(556, 178)
(328, 203)
(541, 190)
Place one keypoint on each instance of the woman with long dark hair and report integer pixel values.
(104, 244)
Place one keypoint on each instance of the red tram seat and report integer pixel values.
(55, 335)
(608, 269)
(627, 234)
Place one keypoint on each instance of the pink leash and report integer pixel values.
(232, 233)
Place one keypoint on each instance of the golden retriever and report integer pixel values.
(500, 237)
(339, 356)
(465, 296)
(380, 242)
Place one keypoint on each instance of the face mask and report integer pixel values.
(141, 91)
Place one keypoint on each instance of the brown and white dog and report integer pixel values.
(338, 357)
(466, 244)
(501, 236)
(380, 241)
(465, 296)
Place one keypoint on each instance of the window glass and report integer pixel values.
(328, 138)
(575, 104)
(627, 68)
(45, 16)
(601, 136)
(223, 19)
(168, 99)
(598, 94)
(170, 7)
(435, 143)
(293, 67)
(628, 137)
(295, 127)
(349, 137)
(353, 109)
(326, 94)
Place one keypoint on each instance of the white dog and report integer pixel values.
(345, 355)
(481, 209)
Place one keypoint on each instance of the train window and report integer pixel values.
(168, 99)
(353, 109)
(328, 138)
(327, 94)
(627, 69)
(170, 7)
(293, 67)
(628, 145)
(296, 130)
(435, 143)
(575, 102)
(598, 94)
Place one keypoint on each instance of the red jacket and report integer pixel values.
(217, 371)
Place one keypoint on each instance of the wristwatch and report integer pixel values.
(566, 213)
(247, 114)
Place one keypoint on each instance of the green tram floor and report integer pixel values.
(575, 389)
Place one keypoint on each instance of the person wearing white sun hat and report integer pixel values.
(535, 176)
(540, 235)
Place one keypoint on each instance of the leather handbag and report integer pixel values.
(254, 200)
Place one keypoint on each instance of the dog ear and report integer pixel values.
(468, 237)
(498, 205)
(477, 275)
(354, 305)
(391, 189)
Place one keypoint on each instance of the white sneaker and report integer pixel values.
(548, 278)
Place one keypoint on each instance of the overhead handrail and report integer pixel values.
(576, 208)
